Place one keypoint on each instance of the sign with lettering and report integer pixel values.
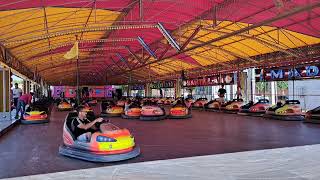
(70, 92)
(96, 91)
(137, 87)
(162, 84)
(57, 90)
(108, 91)
(211, 80)
(283, 74)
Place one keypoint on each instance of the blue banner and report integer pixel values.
(284, 74)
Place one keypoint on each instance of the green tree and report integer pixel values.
(261, 86)
(282, 86)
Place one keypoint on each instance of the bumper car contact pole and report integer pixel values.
(78, 76)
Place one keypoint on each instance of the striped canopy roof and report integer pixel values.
(39, 32)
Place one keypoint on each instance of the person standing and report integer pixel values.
(190, 94)
(221, 93)
(238, 93)
(22, 102)
(16, 93)
(127, 105)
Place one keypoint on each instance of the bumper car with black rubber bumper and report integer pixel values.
(313, 116)
(234, 107)
(114, 111)
(257, 109)
(290, 111)
(109, 109)
(116, 145)
(152, 113)
(179, 111)
(199, 103)
(35, 116)
(65, 106)
(133, 112)
(213, 105)
(223, 106)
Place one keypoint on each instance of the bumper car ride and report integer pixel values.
(290, 111)
(116, 145)
(114, 111)
(213, 105)
(179, 112)
(228, 106)
(271, 110)
(199, 103)
(234, 107)
(132, 113)
(64, 106)
(152, 113)
(257, 109)
(35, 117)
(313, 116)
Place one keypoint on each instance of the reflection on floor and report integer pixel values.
(300, 162)
(33, 149)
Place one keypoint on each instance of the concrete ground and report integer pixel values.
(295, 163)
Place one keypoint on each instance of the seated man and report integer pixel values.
(83, 128)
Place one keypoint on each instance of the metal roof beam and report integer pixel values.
(79, 30)
(195, 32)
(243, 30)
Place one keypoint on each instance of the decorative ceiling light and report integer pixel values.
(146, 47)
(169, 38)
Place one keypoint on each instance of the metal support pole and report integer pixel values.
(78, 77)
(253, 84)
(141, 10)
(4, 83)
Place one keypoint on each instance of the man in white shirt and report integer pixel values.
(16, 93)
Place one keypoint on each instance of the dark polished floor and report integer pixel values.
(33, 149)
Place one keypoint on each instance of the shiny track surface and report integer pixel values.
(33, 149)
